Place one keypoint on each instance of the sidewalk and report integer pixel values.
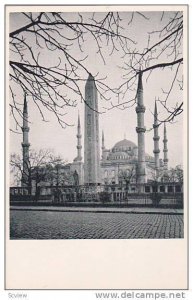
(126, 210)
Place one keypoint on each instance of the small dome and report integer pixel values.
(124, 145)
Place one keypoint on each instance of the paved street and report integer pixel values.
(26, 224)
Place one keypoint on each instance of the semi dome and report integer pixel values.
(123, 145)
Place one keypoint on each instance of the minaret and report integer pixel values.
(165, 150)
(140, 129)
(79, 136)
(77, 165)
(91, 138)
(156, 150)
(25, 146)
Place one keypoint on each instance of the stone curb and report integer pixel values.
(101, 211)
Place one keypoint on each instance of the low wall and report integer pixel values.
(101, 199)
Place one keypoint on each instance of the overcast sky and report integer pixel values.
(115, 123)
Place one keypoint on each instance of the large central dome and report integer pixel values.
(124, 145)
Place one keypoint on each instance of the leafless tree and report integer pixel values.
(55, 83)
(175, 174)
(48, 59)
(39, 168)
(127, 176)
(58, 174)
(16, 169)
(164, 51)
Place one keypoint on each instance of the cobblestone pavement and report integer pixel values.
(89, 225)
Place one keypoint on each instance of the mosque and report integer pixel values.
(125, 160)
(125, 164)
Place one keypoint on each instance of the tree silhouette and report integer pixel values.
(128, 176)
(49, 59)
(176, 174)
(50, 82)
(40, 167)
(164, 51)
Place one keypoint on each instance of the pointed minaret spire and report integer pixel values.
(25, 104)
(140, 129)
(90, 77)
(140, 83)
(78, 120)
(79, 145)
(25, 146)
(156, 137)
(165, 150)
(155, 112)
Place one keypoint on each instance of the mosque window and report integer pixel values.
(178, 188)
(170, 189)
(147, 189)
(154, 189)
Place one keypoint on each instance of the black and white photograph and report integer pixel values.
(97, 123)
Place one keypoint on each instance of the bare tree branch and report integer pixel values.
(57, 84)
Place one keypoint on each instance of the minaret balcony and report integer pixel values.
(140, 109)
(25, 129)
(156, 151)
(25, 144)
(140, 129)
(156, 138)
(78, 159)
